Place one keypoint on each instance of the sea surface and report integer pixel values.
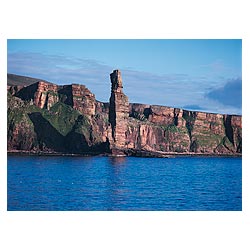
(59, 183)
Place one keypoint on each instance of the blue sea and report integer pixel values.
(57, 183)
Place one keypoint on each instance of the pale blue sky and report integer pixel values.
(199, 74)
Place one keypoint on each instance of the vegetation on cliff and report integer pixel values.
(60, 129)
(46, 118)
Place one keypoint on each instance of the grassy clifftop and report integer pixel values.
(46, 117)
(60, 129)
(17, 80)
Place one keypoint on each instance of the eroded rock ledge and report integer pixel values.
(51, 119)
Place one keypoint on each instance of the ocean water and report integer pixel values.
(126, 183)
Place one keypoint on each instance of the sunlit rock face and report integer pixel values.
(45, 117)
(118, 111)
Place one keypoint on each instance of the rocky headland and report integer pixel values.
(45, 118)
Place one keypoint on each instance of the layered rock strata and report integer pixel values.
(118, 112)
(45, 95)
(45, 117)
(186, 131)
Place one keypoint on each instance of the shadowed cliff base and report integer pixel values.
(50, 140)
(46, 118)
(47, 135)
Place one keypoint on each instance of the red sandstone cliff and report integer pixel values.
(178, 130)
(118, 113)
(48, 117)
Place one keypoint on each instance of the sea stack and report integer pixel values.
(118, 113)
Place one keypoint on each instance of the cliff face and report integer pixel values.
(178, 130)
(118, 112)
(45, 117)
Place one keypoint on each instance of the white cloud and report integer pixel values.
(176, 90)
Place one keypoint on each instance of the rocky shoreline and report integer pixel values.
(129, 153)
(49, 119)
